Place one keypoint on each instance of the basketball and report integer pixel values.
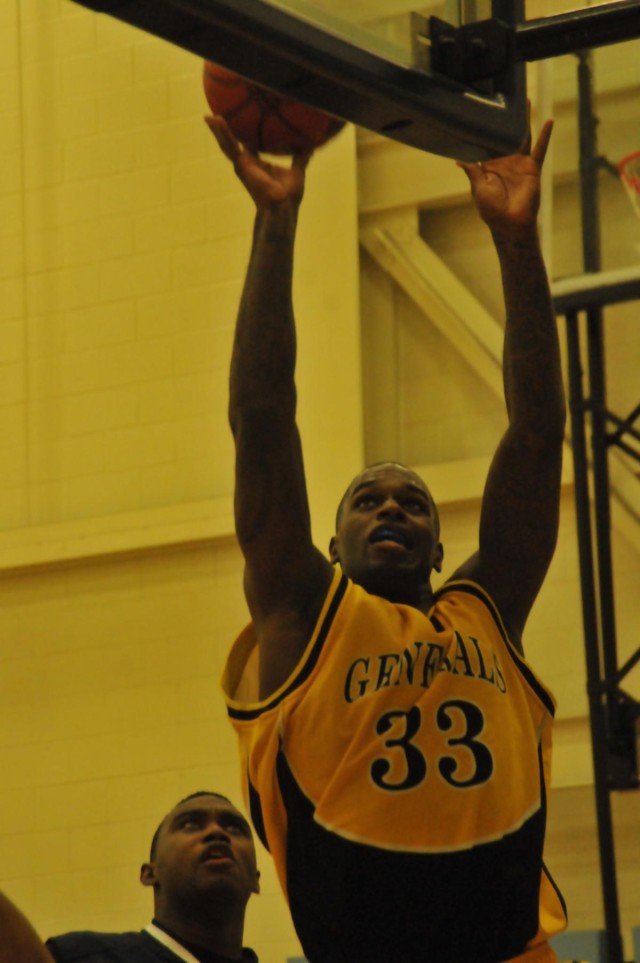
(264, 121)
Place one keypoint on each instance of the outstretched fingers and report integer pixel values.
(227, 142)
(234, 150)
(475, 172)
(525, 147)
(539, 151)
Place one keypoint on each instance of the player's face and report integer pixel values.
(387, 538)
(205, 849)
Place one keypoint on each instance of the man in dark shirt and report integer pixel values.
(202, 868)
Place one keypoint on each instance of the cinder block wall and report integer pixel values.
(124, 237)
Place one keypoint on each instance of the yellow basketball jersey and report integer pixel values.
(398, 778)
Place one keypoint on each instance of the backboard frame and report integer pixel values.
(354, 82)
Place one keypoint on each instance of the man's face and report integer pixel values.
(387, 537)
(204, 851)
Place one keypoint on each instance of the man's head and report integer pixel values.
(202, 859)
(388, 533)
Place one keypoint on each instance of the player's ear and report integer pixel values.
(148, 874)
(438, 557)
(333, 550)
(256, 887)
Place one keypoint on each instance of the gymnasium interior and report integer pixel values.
(124, 238)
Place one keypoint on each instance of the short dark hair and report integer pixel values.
(379, 464)
(193, 795)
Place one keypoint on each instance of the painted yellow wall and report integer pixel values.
(124, 239)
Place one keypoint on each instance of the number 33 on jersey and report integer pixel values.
(434, 711)
(407, 734)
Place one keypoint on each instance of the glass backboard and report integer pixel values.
(446, 76)
(366, 61)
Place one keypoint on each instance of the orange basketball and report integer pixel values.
(262, 120)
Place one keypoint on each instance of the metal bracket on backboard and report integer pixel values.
(473, 52)
(477, 52)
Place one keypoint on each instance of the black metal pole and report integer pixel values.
(599, 445)
(598, 658)
(576, 30)
(597, 719)
(588, 162)
(592, 261)
(577, 410)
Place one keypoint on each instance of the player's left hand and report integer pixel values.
(506, 190)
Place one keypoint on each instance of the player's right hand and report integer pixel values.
(270, 185)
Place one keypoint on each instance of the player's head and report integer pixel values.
(388, 532)
(202, 852)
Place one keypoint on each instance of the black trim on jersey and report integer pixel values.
(470, 589)
(543, 798)
(306, 668)
(350, 901)
(555, 889)
(255, 811)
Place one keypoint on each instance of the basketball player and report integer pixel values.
(202, 868)
(395, 742)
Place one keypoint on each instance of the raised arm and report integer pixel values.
(520, 506)
(286, 577)
(19, 942)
